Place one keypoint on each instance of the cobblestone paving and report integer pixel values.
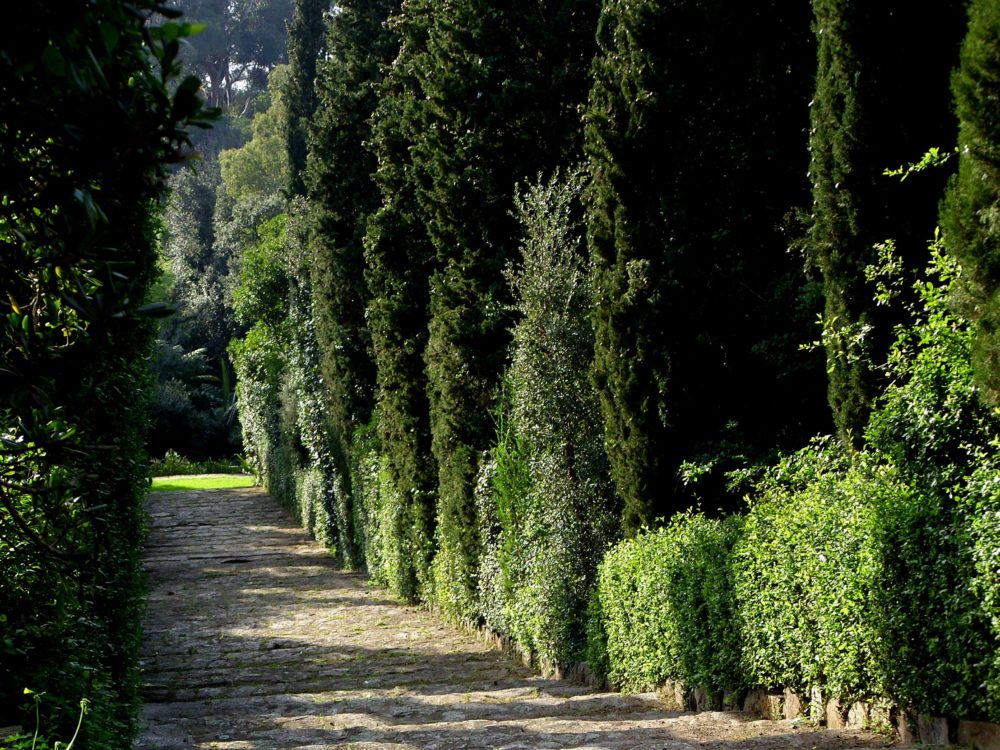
(255, 640)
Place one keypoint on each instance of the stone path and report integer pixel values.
(254, 640)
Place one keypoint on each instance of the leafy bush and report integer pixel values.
(666, 607)
(933, 426)
(982, 504)
(174, 464)
(809, 573)
(92, 114)
(544, 495)
(871, 572)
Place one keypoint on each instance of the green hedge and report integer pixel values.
(666, 608)
(92, 113)
(842, 575)
(809, 574)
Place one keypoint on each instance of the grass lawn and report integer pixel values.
(201, 482)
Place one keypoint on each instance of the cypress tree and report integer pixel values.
(876, 105)
(696, 141)
(306, 33)
(501, 82)
(342, 195)
(398, 257)
(970, 209)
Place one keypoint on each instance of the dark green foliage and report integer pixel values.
(500, 83)
(544, 498)
(695, 135)
(190, 408)
(666, 608)
(398, 259)
(87, 125)
(306, 33)
(876, 105)
(342, 196)
(969, 213)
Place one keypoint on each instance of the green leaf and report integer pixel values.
(54, 61)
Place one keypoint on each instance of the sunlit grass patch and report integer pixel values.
(201, 482)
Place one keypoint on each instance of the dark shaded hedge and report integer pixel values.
(89, 119)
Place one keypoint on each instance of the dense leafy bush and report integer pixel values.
(983, 507)
(865, 573)
(809, 573)
(933, 426)
(666, 608)
(544, 496)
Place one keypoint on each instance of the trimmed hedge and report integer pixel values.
(666, 608)
(809, 575)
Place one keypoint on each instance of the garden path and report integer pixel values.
(254, 640)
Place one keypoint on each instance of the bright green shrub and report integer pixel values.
(936, 635)
(809, 573)
(934, 428)
(983, 507)
(872, 573)
(279, 394)
(666, 607)
(502, 493)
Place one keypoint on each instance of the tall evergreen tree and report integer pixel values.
(398, 257)
(306, 34)
(342, 195)
(696, 140)
(876, 105)
(501, 83)
(969, 215)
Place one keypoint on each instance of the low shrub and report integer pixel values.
(809, 573)
(982, 504)
(174, 464)
(666, 608)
